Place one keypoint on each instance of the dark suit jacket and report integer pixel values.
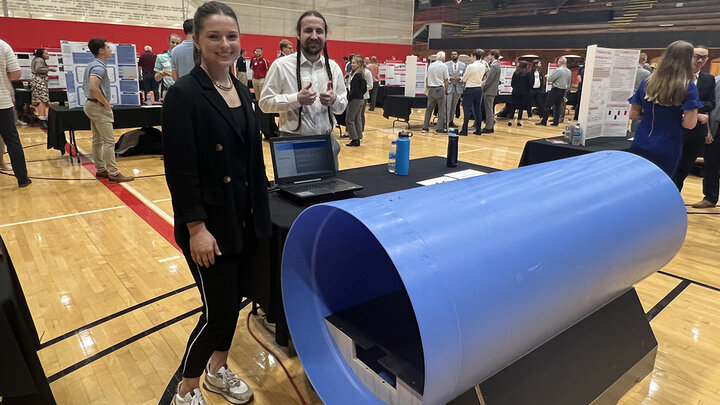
(706, 92)
(198, 168)
(522, 83)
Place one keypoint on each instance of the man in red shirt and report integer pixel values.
(147, 72)
(259, 66)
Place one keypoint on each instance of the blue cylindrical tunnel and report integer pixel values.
(493, 266)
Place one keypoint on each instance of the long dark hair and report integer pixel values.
(535, 64)
(39, 52)
(311, 13)
(521, 67)
(201, 14)
(668, 84)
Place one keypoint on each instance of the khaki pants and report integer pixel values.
(242, 77)
(103, 143)
(258, 85)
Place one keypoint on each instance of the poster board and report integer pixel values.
(607, 86)
(507, 68)
(551, 68)
(55, 79)
(394, 71)
(122, 70)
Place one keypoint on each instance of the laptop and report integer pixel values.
(304, 169)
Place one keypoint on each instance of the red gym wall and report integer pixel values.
(24, 34)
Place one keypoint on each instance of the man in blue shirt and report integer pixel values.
(181, 56)
(96, 86)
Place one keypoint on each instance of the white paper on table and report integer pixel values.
(436, 180)
(465, 174)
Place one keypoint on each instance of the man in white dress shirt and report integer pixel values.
(436, 83)
(306, 88)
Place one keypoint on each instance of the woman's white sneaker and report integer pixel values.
(227, 384)
(191, 398)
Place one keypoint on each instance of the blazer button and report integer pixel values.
(219, 147)
(246, 184)
(227, 179)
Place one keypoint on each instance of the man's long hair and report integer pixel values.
(297, 67)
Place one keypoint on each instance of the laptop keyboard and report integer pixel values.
(315, 185)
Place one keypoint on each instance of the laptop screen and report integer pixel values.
(303, 157)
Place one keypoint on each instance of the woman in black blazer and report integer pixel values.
(216, 175)
(521, 83)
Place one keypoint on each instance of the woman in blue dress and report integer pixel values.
(666, 102)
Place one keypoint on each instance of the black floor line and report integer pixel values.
(113, 316)
(654, 311)
(133, 339)
(103, 353)
(691, 281)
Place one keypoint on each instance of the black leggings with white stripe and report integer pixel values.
(220, 290)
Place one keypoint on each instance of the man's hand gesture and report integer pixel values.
(328, 97)
(307, 96)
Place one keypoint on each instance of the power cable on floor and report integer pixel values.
(267, 349)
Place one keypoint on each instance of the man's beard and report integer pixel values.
(308, 46)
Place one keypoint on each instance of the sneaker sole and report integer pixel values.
(227, 397)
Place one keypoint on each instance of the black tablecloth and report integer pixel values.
(542, 150)
(376, 180)
(22, 379)
(400, 107)
(24, 96)
(266, 122)
(384, 91)
(61, 119)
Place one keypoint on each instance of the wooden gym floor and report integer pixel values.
(85, 252)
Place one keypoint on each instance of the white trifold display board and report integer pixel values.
(122, 69)
(507, 68)
(607, 86)
(418, 70)
(56, 79)
(394, 72)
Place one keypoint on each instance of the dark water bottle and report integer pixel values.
(452, 150)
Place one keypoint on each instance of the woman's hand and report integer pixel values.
(703, 118)
(203, 246)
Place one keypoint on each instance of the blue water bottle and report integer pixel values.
(402, 156)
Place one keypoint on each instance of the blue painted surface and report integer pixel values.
(494, 265)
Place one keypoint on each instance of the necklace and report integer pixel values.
(221, 87)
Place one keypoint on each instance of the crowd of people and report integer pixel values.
(213, 152)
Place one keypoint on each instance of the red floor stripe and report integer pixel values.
(161, 226)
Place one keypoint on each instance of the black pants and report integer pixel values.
(10, 136)
(149, 84)
(712, 169)
(519, 103)
(373, 94)
(577, 105)
(472, 105)
(554, 100)
(220, 289)
(692, 147)
(534, 101)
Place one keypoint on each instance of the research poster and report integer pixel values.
(507, 68)
(394, 72)
(56, 80)
(551, 68)
(607, 86)
(122, 70)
